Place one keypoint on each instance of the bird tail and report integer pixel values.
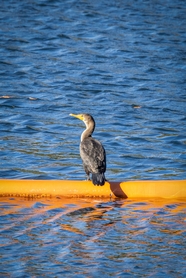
(98, 178)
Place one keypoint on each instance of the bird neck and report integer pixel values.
(88, 131)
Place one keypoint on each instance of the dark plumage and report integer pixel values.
(91, 151)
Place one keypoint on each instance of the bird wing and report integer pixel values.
(93, 155)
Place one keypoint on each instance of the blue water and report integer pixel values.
(124, 62)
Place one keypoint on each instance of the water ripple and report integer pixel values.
(123, 62)
(92, 237)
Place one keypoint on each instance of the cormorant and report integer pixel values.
(91, 151)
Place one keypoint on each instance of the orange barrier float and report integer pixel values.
(72, 188)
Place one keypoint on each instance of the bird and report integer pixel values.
(92, 151)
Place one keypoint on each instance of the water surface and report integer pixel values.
(92, 238)
(123, 62)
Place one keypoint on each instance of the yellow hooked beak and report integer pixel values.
(79, 116)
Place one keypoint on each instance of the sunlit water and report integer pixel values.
(125, 63)
(92, 238)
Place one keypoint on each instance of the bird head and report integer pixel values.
(86, 118)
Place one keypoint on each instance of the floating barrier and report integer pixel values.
(73, 188)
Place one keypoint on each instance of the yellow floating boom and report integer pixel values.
(72, 188)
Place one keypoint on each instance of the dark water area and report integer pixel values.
(92, 238)
(123, 61)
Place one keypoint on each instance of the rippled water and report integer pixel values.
(92, 238)
(125, 63)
